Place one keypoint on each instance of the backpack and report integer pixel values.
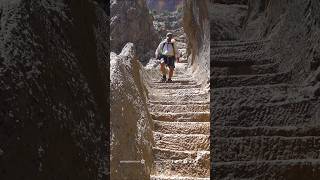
(174, 51)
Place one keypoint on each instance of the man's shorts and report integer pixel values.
(168, 60)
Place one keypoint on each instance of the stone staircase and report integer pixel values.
(261, 126)
(180, 111)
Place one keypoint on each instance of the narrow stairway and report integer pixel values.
(262, 126)
(180, 111)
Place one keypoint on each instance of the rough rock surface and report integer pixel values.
(264, 94)
(196, 27)
(53, 89)
(131, 135)
(131, 22)
(226, 21)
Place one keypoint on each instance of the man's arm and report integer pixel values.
(158, 50)
(177, 54)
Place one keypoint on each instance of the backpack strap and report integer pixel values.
(174, 51)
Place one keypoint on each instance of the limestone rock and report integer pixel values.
(196, 27)
(131, 136)
(131, 22)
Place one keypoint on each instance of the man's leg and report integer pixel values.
(171, 72)
(171, 67)
(163, 68)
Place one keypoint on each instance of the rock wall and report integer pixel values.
(293, 28)
(131, 22)
(131, 135)
(53, 89)
(196, 27)
(226, 21)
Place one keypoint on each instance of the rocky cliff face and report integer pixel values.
(131, 22)
(265, 95)
(131, 135)
(53, 89)
(226, 20)
(196, 27)
(293, 28)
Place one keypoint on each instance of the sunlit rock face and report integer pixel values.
(196, 27)
(131, 135)
(53, 89)
(131, 22)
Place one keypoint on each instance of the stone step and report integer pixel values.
(249, 80)
(182, 142)
(265, 148)
(179, 77)
(240, 61)
(173, 86)
(276, 114)
(235, 49)
(167, 154)
(253, 95)
(161, 177)
(181, 117)
(175, 81)
(245, 70)
(182, 127)
(187, 167)
(179, 108)
(238, 43)
(179, 102)
(192, 96)
(286, 169)
(176, 91)
(239, 55)
(284, 131)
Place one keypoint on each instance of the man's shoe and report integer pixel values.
(163, 79)
(169, 81)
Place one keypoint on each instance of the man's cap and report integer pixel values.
(169, 34)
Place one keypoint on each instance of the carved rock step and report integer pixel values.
(175, 78)
(192, 96)
(167, 154)
(160, 177)
(245, 70)
(182, 127)
(284, 131)
(239, 61)
(265, 148)
(179, 102)
(238, 43)
(280, 114)
(173, 86)
(249, 80)
(182, 82)
(182, 142)
(286, 169)
(253, 95)
(179, 108)
(176, 91)
(187, 167)
(182, 117)
(235, 49)
(241, 55)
